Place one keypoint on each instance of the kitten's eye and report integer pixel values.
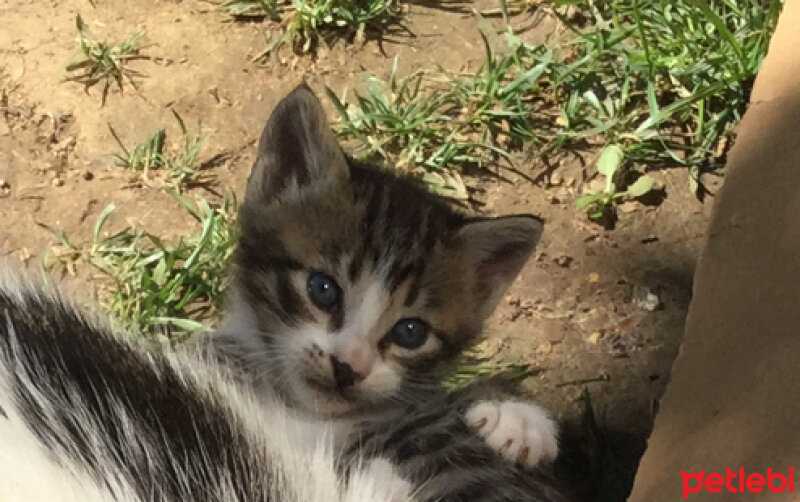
(409, 333)
(323, 291)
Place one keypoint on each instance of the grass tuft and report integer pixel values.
(304, 23)
(181, 165)
(252, 9)
(155, 286)
(465, 374)
(665, 81)
(99, 61)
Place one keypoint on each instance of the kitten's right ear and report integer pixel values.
(297, 149)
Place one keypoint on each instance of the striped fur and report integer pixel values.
(395, 251)
(431, 445)
(85, 415)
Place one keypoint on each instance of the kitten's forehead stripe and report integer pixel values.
(356, 263)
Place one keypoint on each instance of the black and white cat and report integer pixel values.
(87, 416)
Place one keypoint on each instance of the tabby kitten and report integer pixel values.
(354, 289)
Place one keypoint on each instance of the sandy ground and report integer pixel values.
(576, 312)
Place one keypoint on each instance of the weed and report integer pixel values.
(304, 23)
(601, 204)
(141, 158)
(181, 167)
(313, 19)
(184, 167)
(664, 81)
(465, 374)
(248, 9)
(667, 80)
(156, 285)
(394, 120)
(444, 125)
(105, 62)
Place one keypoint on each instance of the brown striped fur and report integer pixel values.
(395, 250)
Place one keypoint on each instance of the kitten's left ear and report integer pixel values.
(297, 149)
(496, 249)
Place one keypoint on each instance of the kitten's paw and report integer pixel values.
(379, 480)
(520, 431)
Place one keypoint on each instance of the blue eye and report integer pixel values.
(323, 291)
(409, 333)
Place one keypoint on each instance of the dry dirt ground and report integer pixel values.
(576, 312)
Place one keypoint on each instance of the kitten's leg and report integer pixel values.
(521, 431)
(378, 480)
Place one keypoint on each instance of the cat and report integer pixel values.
(354, 289)
(88, 416)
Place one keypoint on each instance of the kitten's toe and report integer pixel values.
(483, 417)
(522, 432)
(379, 479)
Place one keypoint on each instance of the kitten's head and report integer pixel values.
(354, 287)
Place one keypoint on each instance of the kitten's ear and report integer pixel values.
(495, 251)
(297, 149)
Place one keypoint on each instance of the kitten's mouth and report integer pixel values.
(328, 391)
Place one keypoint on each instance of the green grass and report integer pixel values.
(152, 285)
(304, 23)
(249, 9)
(472, 120)
(98, 61)
(666, 81)
(466, 373)
(180, 165)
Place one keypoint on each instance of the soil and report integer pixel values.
(580, 312)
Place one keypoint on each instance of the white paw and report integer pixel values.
(520, 431)
(379, 480)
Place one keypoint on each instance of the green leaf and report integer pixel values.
(585, 200)
(610, 160)
(101, 220)
(641, 186)
(694, 183)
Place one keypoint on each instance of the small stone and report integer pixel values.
(594, 338)
(650, 303)
(597, 185)
(563, 261)
(4, 184)
(544, 348)
(57, 182)
(555, 179)
(594, 277)
(553, 330)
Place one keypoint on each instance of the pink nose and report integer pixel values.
(358, 358)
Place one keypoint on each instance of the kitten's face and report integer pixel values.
(352, 287)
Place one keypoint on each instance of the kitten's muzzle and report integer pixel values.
(343, 374)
